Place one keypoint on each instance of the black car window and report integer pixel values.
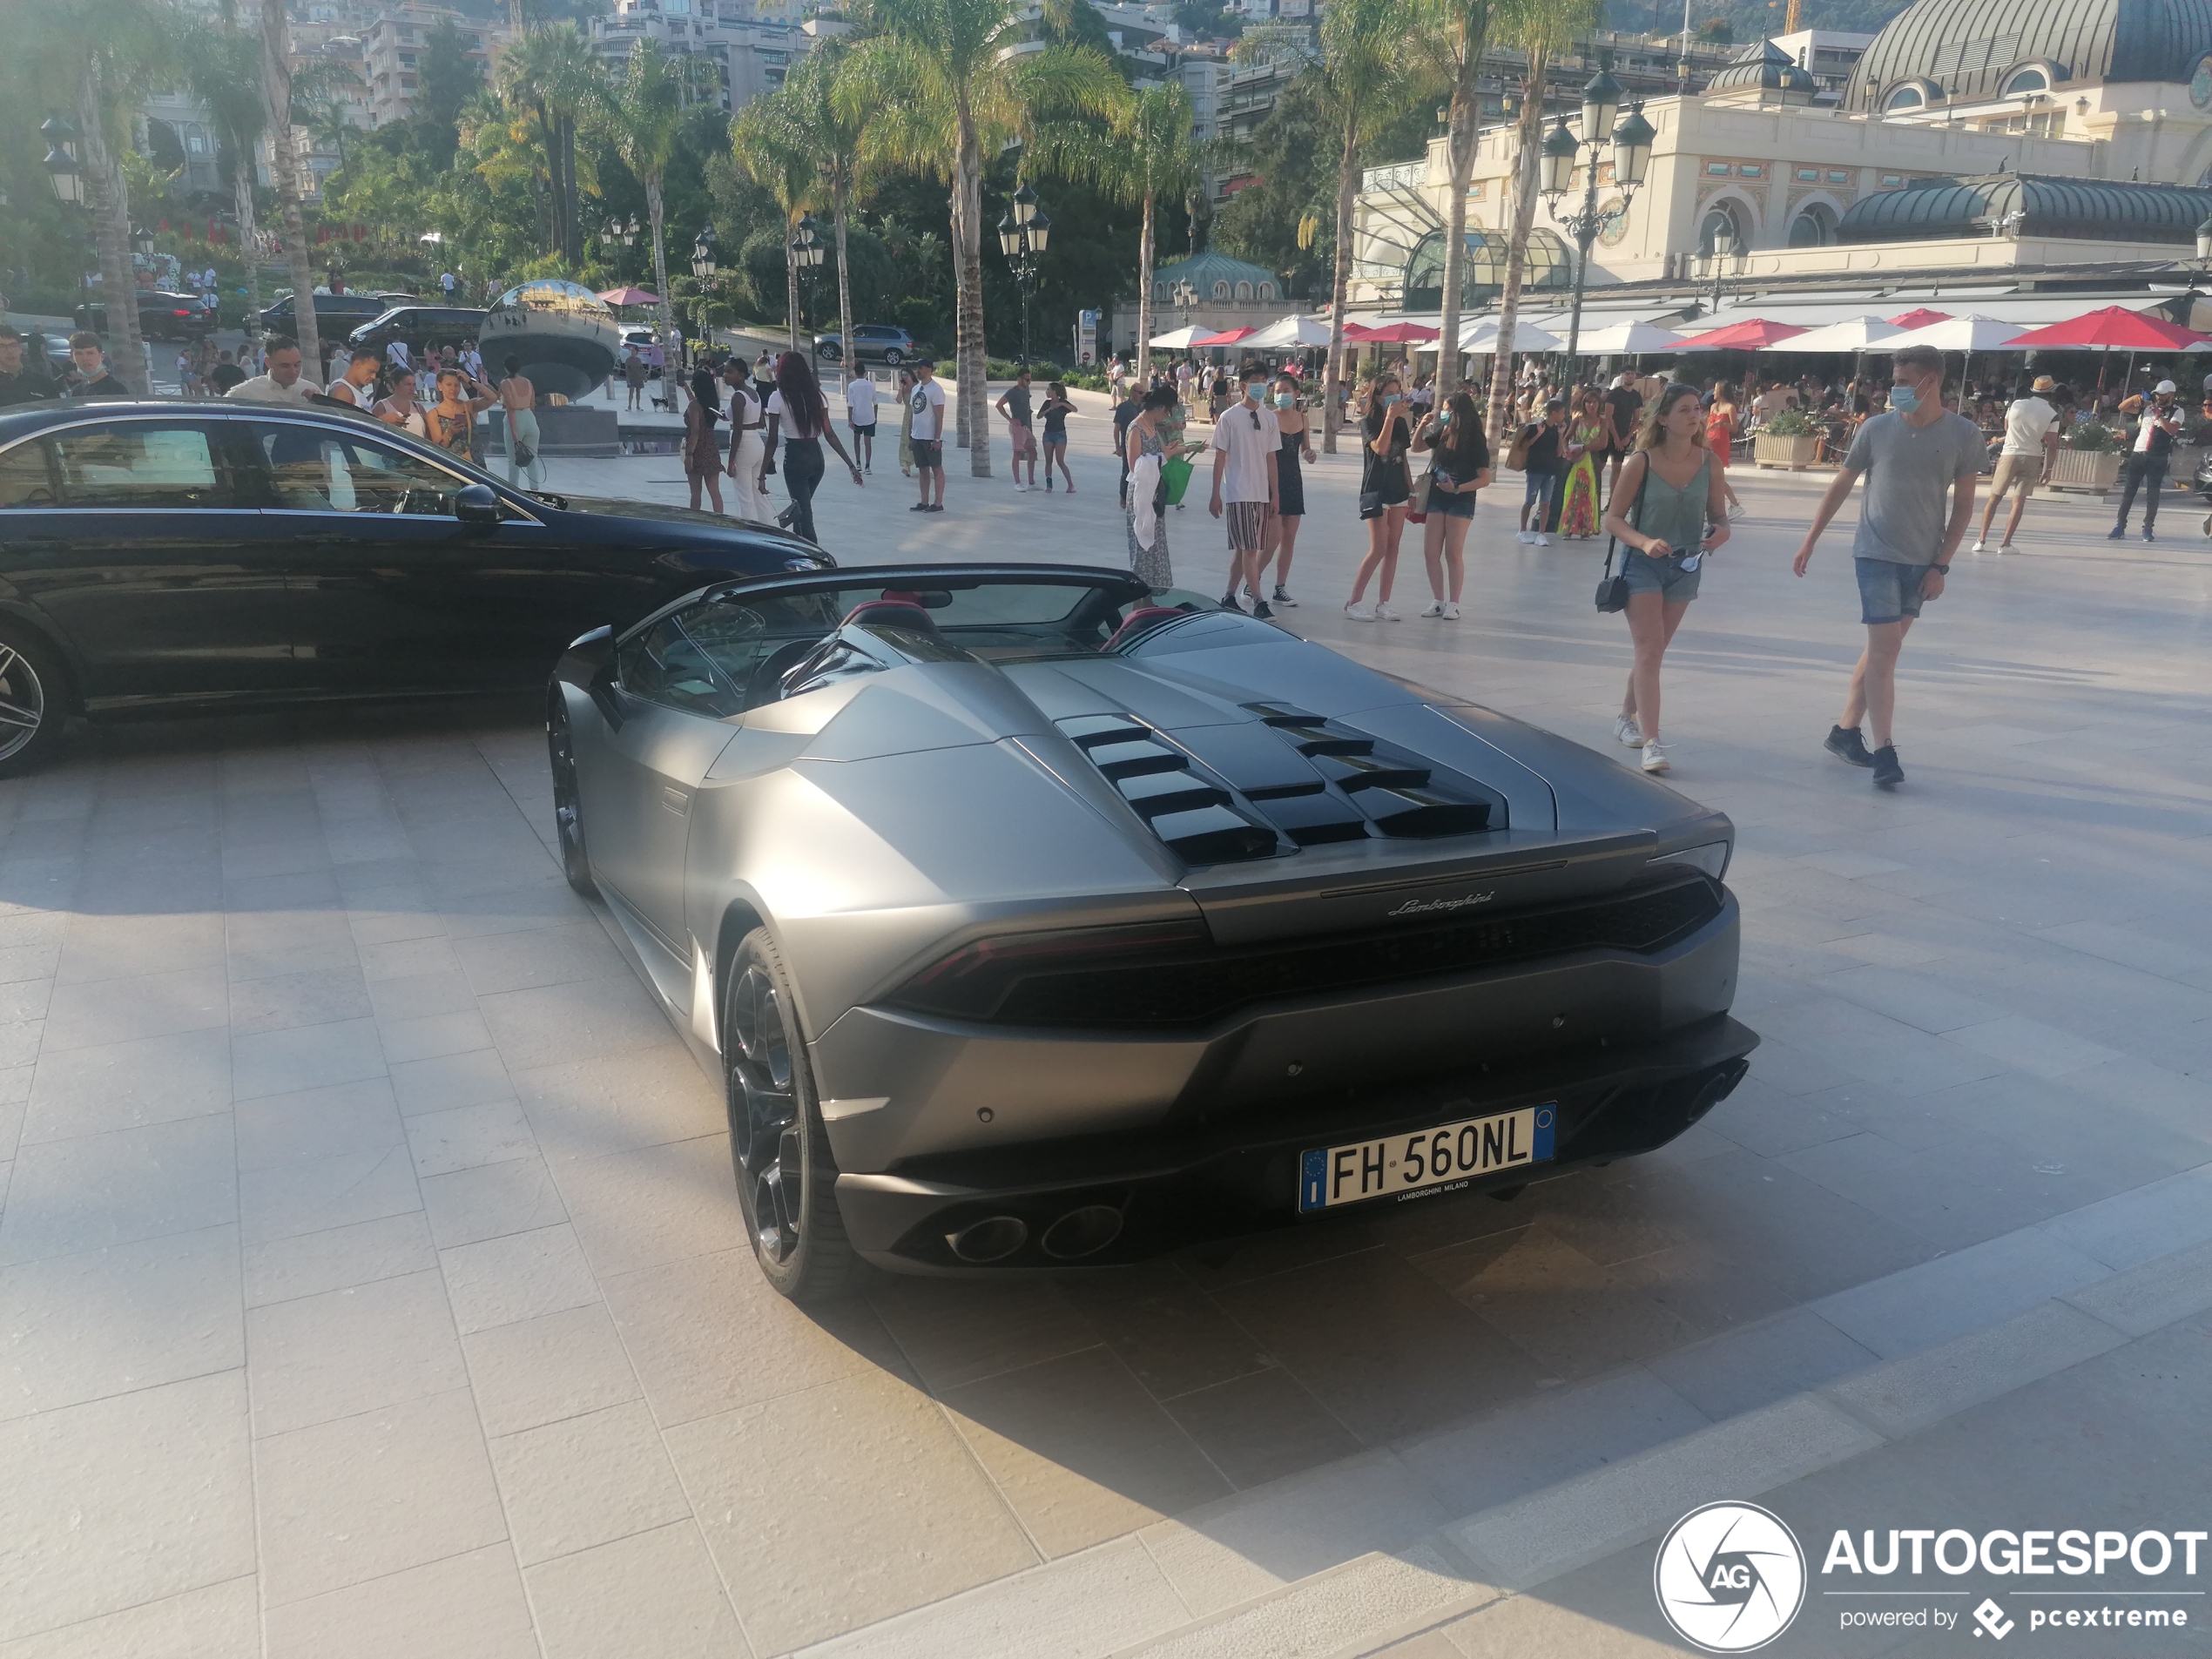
(664, 665)
(26, 478)
(313, 468)
(754, 642)
(160, 464)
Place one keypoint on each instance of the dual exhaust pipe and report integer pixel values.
(1081, 1232)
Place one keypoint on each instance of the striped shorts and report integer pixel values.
(1247, 521)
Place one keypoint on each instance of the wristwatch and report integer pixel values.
(1941, 570)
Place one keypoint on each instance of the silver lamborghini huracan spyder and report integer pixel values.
(1030, 918)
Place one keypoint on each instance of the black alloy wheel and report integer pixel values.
(780, 1152)
(568, 802)
(32, 707)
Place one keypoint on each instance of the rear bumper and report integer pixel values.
(1177, 1185)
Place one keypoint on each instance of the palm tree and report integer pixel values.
(836, 135)
(1456, 31)
(949, 89)
(320, 93)
(284, 172)
(1542, 28)
(643, 113)
(1147, 156)
(767, 140)
(221, 67)
(1364, 77)
(551, 76)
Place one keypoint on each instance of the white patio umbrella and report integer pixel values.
(1294, 330)
(1631, 339)
(1481, 335)
(1851, 334)
(1969, 334)
(1182, 338)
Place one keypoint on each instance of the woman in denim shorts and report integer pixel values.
(1669, 510)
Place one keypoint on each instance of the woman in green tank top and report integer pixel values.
(1668, 511)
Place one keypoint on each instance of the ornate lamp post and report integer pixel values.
(804, 252)
(67, 178)
(1022, 235)
(703, 269)
(1631, 145)
(1724, 249)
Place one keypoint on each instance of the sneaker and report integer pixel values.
(1655, 757)
(2115, 532)
(919, 507)
(1282, 598)
(936, 507)
(1229, 603)
(1981, 545)
(1260, 609)
(1887, 772)
(1451, 611)
(1434, 608)
(2147, 537)
(1846, 744)
(2006, 547)
(1627, 732)
(1384, 613)
(1359, 612)
(1543, 540)
(1527, 538)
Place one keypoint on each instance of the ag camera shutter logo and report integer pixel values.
(1729, 1577)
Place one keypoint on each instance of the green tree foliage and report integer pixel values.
(448, 77)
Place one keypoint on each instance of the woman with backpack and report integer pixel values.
(1677, 513)
(1459, 466)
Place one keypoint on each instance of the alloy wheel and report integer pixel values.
(22, 702)
(763, 1117)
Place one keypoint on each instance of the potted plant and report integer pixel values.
(2088, 459)
(1788, 440)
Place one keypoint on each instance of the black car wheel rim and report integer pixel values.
(22, 702)
(567, 807)
(766, 1120)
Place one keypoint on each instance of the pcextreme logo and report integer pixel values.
(1729, 1577)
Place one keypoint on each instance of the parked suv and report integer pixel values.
(891, 344)
(421, 326)
(335, 313)
(161, 316)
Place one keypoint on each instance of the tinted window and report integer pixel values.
(313, 469)
(140, 463)
(663, 664)
(25, 480)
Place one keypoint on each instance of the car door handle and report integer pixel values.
(675, 798)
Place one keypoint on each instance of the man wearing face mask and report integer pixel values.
(1910, 456)
(1246, 443)
(2144, 468)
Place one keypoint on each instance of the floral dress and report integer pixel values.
(1578, 505)
(1151, 563)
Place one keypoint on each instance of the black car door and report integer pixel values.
(149, 564)
(390, 592)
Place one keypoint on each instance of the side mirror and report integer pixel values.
(476, 504)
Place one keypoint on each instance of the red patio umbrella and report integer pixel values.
(1919, 318)
(629, 297)
(1394, 333)
(2111, 328)
(1226, 337)
(1753, 333)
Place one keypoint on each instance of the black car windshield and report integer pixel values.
(755, 640)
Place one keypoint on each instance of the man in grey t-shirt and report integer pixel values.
(1910, 455)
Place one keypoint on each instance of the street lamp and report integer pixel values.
(1631, 145)
(703, 269)
(61, 161)
(802, 253)
(1022, 235)
(1723, 245)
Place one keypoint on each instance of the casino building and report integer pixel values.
(2008, 148)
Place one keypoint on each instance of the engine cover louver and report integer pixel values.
(1336, 783)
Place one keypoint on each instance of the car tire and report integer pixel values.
(893, 356)
(568, 800)
(827, 353)
(34, 701)
(780, 1152)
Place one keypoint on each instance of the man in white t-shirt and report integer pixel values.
(926, 434)
(1246, 442)
(2031, 446)
(859, 415)
(282, 383)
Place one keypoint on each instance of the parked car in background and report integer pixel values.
(161, 316)
(213, 552)
(335, 313)
(884, 342)
(420, 325)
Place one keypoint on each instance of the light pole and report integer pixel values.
(1723, 248)
(68, 180)
(1022, 234)
(1631, 143)
(804, 252)
(703, 268)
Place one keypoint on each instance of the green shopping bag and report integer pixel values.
(1175, 478)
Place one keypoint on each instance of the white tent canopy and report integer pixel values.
(1482, 336)
(1628, 338)
(1183, 339)
(1851, 334)
(1290, 331)
(1974, 333)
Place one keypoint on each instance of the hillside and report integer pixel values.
(1749, 19)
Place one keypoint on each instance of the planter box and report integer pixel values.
(1794, 454)
(2090, 470)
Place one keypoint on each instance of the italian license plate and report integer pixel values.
(1429, 1160)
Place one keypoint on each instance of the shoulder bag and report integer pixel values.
(1612, 586)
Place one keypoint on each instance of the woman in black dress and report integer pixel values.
(1383, 488)
(1290, 484)
(1459, 465)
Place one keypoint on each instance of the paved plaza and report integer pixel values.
(372, 1283)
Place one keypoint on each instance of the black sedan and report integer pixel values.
(219, 552)
(161, 316)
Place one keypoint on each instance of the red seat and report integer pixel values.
(1143, 619)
